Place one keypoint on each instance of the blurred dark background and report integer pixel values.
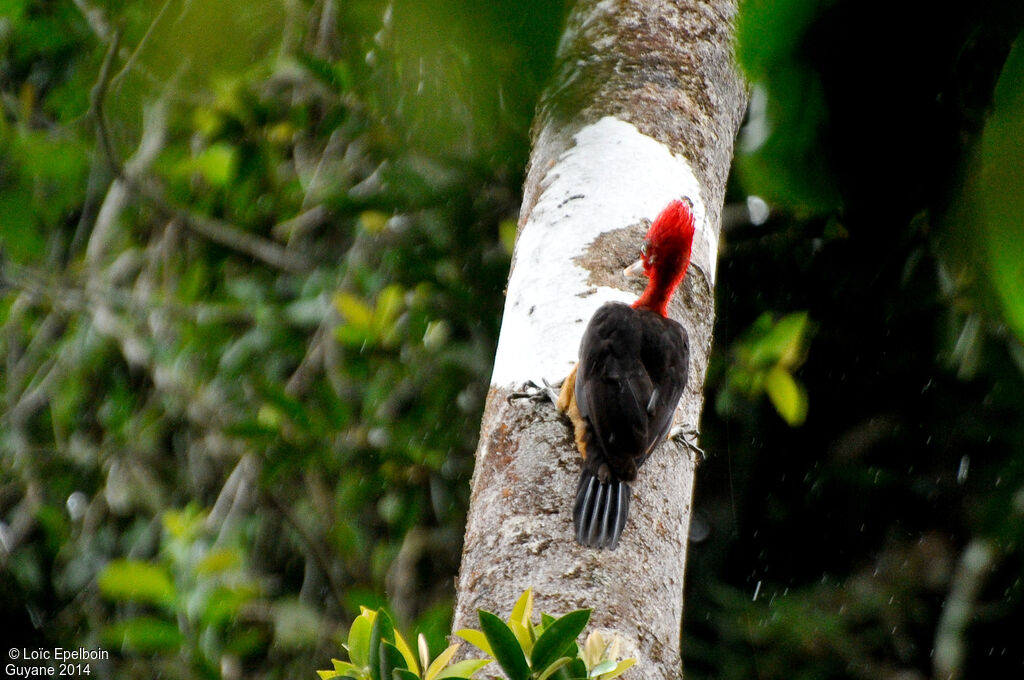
(251, 281)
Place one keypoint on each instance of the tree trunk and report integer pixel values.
(643, 108)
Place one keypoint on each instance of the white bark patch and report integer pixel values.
(549, 300)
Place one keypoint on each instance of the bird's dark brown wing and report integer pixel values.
(666, 359)
(632, 371)
(613, 389)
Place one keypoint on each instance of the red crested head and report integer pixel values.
(666, 254)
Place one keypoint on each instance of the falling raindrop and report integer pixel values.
(961, 473)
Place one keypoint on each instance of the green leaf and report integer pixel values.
(462, 669)
(787, 338)
(355, 312)
(558, 638)
(778, 156)
(575, 669)
(769, 342)
(619, 669)
(391, 660)
(217, 164)
(403, 674)
(136, 581)
(407, 653)
(218, 560)
(143, 635)
(505, 646)
(440, 662)
(477, 639)
(373, 221)
(1002, 188)
(523, 609)
(605, 666)
(344, 668)
(389, 305)
(507, 235)
(382, 631)
(787, 395)
(523, 635)
(359, 639)
(20, 236)
(342, 671)
(553, 668)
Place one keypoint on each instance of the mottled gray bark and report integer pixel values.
(667, 68)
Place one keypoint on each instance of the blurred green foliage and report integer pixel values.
(887, 140)
(242, 382)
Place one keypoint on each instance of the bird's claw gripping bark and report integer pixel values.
(537, 393)
(687, 436)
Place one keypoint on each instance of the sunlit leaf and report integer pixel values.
(407, 653)
(389, 305)
(777, 342)
(137, 581)
(599, 647)
(553, 668)
(373, 221)
(523, 608)
(787, 395)
(359, 638)
(522, 634)
(354, 311)
(216, 164)
(441, 661)
(507, 234)
(219, 559)
(462, 669)
(344, 667)
(476, 638)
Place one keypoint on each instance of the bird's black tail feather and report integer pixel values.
(601, 510)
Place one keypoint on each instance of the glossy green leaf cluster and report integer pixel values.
(377, 650)
(537, 651)
(523, 649)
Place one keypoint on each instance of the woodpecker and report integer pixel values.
(632, 369)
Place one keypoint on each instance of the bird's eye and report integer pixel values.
(643, 249)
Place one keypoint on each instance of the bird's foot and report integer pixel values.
(687, 436)
(537, 393)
